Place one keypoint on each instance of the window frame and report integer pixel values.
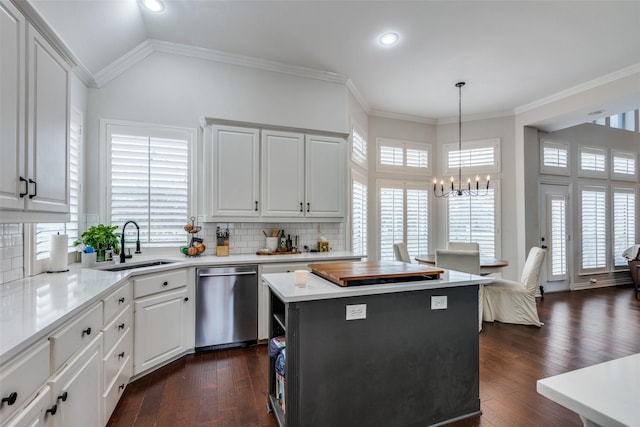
(107, 126)
(605, 268)
(588, 173)
(624, 177)
(621, 189)
(361, 160)
(404, 145)
(555, 170)
(362, 178)
(494, 143)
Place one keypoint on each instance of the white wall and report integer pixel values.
(178, 90)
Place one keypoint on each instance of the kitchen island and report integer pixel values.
(396, 354)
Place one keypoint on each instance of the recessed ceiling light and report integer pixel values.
(153, 5)
(389, 39)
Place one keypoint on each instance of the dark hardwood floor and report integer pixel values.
(228, 387)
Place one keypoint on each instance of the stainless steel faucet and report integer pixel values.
(122, 255)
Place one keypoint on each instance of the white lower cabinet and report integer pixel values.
(38, 413)
(77, 389)
(164, 328)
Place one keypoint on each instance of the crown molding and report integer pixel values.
(405, 117)
(584, 87)
(351, 86)
(123, 63)
(474, 117)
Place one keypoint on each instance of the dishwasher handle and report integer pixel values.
(241, 273)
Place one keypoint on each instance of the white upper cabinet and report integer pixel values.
(324, 176)
(282, 174)
(232, 163)
(34, 122)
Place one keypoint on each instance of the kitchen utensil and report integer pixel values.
(272, 243)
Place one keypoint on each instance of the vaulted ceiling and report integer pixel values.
(510, 53)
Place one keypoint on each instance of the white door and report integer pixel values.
(282, 174)
(555, 224)
(325, 176)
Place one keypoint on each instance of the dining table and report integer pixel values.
(488, 265)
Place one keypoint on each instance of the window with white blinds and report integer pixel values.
(623, 166)
(358, 214)
(473, 219)
(624, 223)
(593, 208)
(358, 149)
(593, 162)
(149, 170)
(43, 232)
(404, 217)
(475, 157)
(557, 237)
(403, 156)
(555, 158)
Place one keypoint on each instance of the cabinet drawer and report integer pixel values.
(160, 282)
(115, 359)
(117, 301)
(36, 412)
(23, 375)
(77, 332)
(113, 393)
(117, 328)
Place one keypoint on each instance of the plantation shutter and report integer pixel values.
(473, 219)
(592, 159)
(624, 223)
(150, 185)
(594, 234)
(623, 166)
(391, 155)
(358, 217)
(359, 149)
(557, 237)
(417, 222)
(417, 158)
(555, 155)
(391, 220)
(474, 157)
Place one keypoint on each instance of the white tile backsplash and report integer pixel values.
(11, 253)
(247, 237)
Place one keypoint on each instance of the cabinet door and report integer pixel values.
(39, 413)
(77, 389)
(48, 127)
(162, 327)
(324, 176)
(235, 172)
(282, 174)
(12, 87)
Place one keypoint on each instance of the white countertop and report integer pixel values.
(318, 288)
(33, 307)
(607, 394)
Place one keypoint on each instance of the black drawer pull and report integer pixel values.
(121, 387)
(165, 284)
(121, 355)
(63, 396)
(86, 331)
(308, 207)
(53, 410)
(11, 399)
(121, 300)
(35, 188)
(301, 207)
(121, 326)
(186, 298)
(256, 206)
(26, 187)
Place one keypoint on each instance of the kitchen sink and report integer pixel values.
(134, 265)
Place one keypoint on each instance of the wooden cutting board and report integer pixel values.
(374, 272)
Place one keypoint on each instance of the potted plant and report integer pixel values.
(100, 237)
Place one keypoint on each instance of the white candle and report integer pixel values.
(301, 277)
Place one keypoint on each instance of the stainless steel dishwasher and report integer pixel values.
(226, 307)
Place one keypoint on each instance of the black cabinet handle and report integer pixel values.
(256, 206)
(35, 188)
(308, 207)
(301, 207)
(121, 300)
(63, 396)
(26, 187)
(52, 410)
(11, 399)
(165, 284)
(186, 298)
(121, 387)
(121, 355)
(86, 331)
(121, 326)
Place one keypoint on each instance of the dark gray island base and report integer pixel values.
(405, 364)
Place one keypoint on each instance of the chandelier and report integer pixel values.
(459, 190)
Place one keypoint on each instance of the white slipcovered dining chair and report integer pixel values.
(401, 253)
(466, 261)
(463, 246)
(508, 301)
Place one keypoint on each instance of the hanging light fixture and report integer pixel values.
(459, 190)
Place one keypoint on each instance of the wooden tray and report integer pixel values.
(278, 253)
(374, 272)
